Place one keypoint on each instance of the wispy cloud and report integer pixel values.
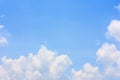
(1, 26)
(3, 36)
(2, 16)
(117, 7)
(3, 41)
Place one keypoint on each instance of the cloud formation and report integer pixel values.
(114, 29)
(3, 36)
(109, 56)
(88, 72)
(45, 65)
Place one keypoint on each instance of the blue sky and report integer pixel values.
(73, 27)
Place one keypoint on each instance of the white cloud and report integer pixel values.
(89, 72)
(108, 53)
(45, 65)
(114, 29)
(109, 56)
(58, 67)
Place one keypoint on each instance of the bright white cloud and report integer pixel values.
(45, 65)
(114, 29)
(108, 53)
(109, 56)
(89, 72)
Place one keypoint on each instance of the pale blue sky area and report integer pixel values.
(73, 27)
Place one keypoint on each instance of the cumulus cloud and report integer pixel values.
(109, 56)
(108, 53)
(88, 72)
(114, 29)
(45, 65)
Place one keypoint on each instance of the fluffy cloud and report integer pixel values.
(109, 56)
(88, 72)
(45, 65)
(114, 29)
(108, 53)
